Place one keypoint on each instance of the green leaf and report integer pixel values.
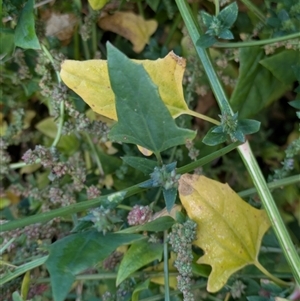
(229, 14)
(75, 253)
(206, 41)
(25, 36)
(139, 254)
(16, 296)
(140, 287)
(248, 126)
(142, 164)
(256, 86)
(153, 4)
(170, 197)
(143, 118)
(207, 19)
(295, 103)
(212, 138)
(280, 65)
(226, 34)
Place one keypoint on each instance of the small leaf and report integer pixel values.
(97, 4)
(143, 119)
(139, 254)
(130, 26)
(25, 36)
(75, 253)
(159, 224)
(226, 34)
(206, 18)
(142, 164)
(229, 14)
(248, 126)
(212, 138)
(206, 41)
(229, 230)
(140, 287)
(170, 197)
(295, 103)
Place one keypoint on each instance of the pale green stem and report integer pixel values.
(203, 117)
(257, 43)
(95, 154)
(275, 279)
(217, 7)
(244, 150)
(166, 267)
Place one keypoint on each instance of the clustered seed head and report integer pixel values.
(238, 289)
(181, 239)
(112, 261)
(139, 215)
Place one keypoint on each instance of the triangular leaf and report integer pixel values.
(170, 197)
(226, 34)
(206, 18)
(143, 118)
(212, 138)
(25, 36)
(229, 14)
(206, 41)
(248, 126)
(140, 254)
(75, 253)
(229, 230)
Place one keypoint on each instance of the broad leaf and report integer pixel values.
(131, 27)
(170, 197)
(214, 138)
(248, 126)
(90, 80)
(143, 118)
(280, 65)
(206, 18)
(229, 230)
(206, 41)
(139, 254)
(256, 86)
(140, 287)
(75, 253)
(25, 36)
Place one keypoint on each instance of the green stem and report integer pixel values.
(271, 209)
(46, 216)
(140, 7)
(255, 10)
(166, 267)
(271, 185)
(244, 150)
(272, 277)
(217, 7)
(257, 43)
(203, 117)
(95, 154)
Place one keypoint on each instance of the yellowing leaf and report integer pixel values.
(130, 26)
(90, 80)
(229, 230)
(97, 4)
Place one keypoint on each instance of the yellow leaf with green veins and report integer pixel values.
(229, 230)
(90, 80)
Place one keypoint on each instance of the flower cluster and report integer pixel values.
(4, 158)
(181, 239)
(139, 215)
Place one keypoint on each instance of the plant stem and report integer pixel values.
(272, 277)
(203, 117)
(217, 7)
(166, 267)
(271, 185)
(95, 154)
(46, 216)
(255, 10)
(257, 43)
(172, 29)
(244, 150)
